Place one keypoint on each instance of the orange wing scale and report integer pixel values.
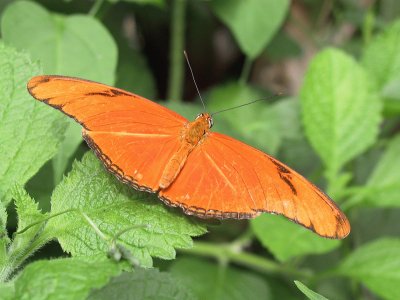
(220, 177)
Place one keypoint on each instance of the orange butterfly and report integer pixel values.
(207, 174)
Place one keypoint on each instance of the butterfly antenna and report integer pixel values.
(262, 99)
(194, 80)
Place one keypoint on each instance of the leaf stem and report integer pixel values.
(94, 226)
(94, 10)
(252, 261)
(244, 76)
(175, 84)
(43, 220)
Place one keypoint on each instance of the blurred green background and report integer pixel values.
(337, 64)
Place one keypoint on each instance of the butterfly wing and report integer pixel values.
(225, 178)
(133, 136)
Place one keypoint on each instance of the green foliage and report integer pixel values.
(346, 111)
(276, 233)
(248, 123)
(142, 284)
(152, 229)
(381, 58)
(248, 22)
(29, 132)
(55, 279)
(74, 45)
(209, 281)
(383, 185)
(341, 111)
(377, 265)
(309, 293)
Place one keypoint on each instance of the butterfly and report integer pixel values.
(205, 173)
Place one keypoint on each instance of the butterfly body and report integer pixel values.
(192, 134)
(207, 174)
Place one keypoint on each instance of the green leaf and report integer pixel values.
(257, 124)
(27, 209)
(341, 112)
(75, 45)
(383, 186)
(209, 281)
(113, 207)
(133, 74)
(377, 266)
(7, 291)
(381, 57)
(142, 284)
(253, 22)
(29, 235)
(30, 133)
(276, 233)
(60, 278)
(72, 140)
(309, 293)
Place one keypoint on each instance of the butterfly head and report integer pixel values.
(206, 118)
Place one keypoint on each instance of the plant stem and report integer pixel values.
(176, 68)
(244, 77)
(95, 8)
(252, 261)
(44, 220)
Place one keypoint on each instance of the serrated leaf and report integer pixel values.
(60, 278)
(75, 45)
(30, 133)
(383, 186)
(381, 57)
(341, 112)
(377, 266)
(257, 124)
(114, 207)
(25, 243)
(210, 281)
(276, 233)
(27, 239)
(142, 284)
(309, 293)
(27, 209)
(253, 22)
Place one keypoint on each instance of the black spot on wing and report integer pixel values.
(109, 93)
(288, 182)
(284, 174)
(116, 92)
(281, 168)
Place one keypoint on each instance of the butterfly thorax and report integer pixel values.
(193, 133)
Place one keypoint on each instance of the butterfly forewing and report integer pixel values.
(133, 136)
